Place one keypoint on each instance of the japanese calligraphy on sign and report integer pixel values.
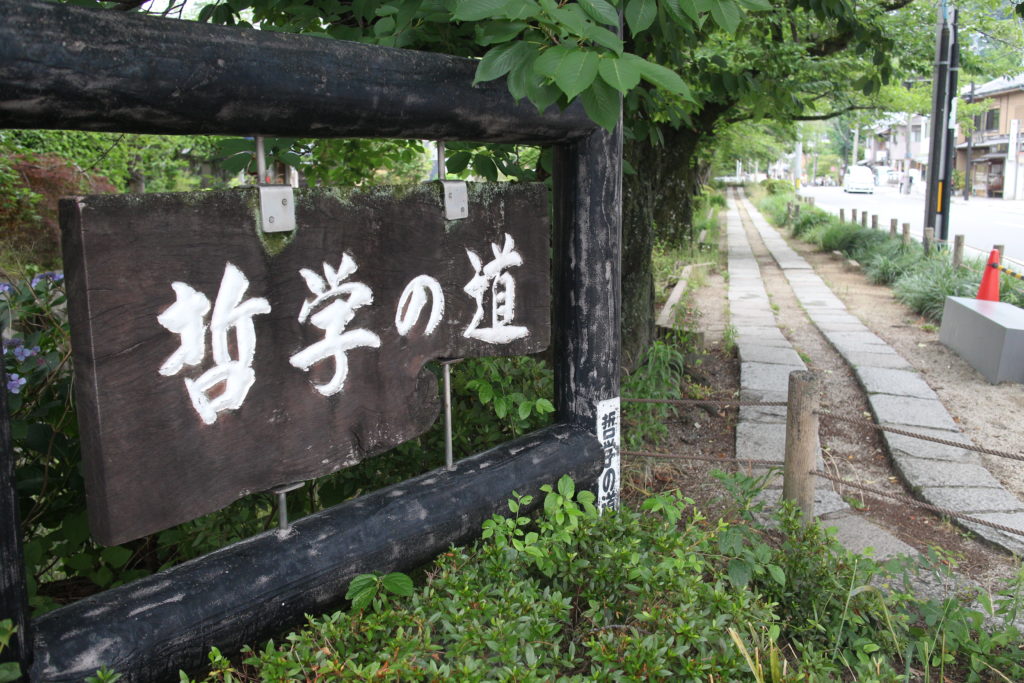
(208, 368)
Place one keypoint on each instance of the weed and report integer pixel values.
(729, 339)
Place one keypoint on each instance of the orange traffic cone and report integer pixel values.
(989, 290)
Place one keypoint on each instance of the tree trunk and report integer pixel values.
(657, 203)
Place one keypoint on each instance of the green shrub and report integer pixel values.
(925, 288)
(811, 219)
(659, 593)
(776, 186)
(774, 205)
(660, 374)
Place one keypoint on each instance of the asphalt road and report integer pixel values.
(983, 222)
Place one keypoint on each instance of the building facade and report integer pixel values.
(990, 159)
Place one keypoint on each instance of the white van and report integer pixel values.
(859, 179)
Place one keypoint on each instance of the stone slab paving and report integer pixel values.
(943, 475)
(766, 360)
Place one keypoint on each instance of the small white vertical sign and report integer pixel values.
(608, 433)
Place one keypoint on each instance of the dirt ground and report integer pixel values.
(989, 415)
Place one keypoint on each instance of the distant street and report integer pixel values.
(983, 222)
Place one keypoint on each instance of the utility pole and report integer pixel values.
(968, 171)
(944, 82)
(856, 143)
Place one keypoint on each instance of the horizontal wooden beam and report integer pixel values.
(67, 67)
(151, 628)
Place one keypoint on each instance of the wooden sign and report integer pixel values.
(209, 367)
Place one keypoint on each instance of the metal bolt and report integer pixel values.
(270, 219)
(284, 202)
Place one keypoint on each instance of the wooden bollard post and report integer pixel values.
(1001, 249)
(801, 442)
(863, 219)
(796, 212)
(929, 237)
(906, 233)
(893, 225)
(789, 211)
(810, 200)
(853, 215)
(842, 215)
(958, 251)
(874, 221)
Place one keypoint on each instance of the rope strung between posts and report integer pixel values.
(922, 437)
(1011, 273)
(721, 403)
(903, 498)
(832, 416)
(946, 512)
(702, 458)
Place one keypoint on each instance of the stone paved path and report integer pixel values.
(945, 476)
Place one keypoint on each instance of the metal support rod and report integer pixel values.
(442, 170)
(261, 161)
(449, 460)
(283, 525)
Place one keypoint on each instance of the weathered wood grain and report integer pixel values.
(149, 629)
(150, 461)
(69, 67)
(588, 223)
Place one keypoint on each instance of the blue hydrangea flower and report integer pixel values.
(12, 343)
(6, 287)
(23, 352)
(51, 275)
(15, 382)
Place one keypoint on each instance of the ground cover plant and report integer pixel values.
(921, 282)
(658, 592)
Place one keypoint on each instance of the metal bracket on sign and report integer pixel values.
(456, 199)
(283, 526)
(277, 208)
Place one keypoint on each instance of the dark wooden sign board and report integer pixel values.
(207, 369)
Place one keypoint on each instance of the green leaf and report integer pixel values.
(524, 410)
(604, 38)
(600, 10)
(500, 59)
(498, 31)
(640, 14)
(397, 583)
(477, 10)
(484, 165)
(566, 486)
(458, 162)
(9, 671)
(756, 5)
(116, 557)
(689, 8)
(540, 92)
(500, 408)
(739, 572)
(543, 406)
(661, 76)
(602, 104)
(777, 574)
(361, 590)
(573, 70)
(621, 74)
(727, 14)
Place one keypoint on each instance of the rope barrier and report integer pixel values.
(840, 418)
(1011, 273)
(721, 403)
(702, 458)
(903, 498)
(922, 437)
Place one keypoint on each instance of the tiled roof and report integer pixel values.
(996, 85)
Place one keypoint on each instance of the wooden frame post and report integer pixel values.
(801, 442)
